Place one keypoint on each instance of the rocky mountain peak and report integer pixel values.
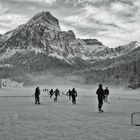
(42, 33)
(45, 19)
(70, 35)
(134, 44)
(128, 47)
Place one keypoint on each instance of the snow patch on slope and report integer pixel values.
(9, 53)
(37, 50)
(55, 55)
(6, 36)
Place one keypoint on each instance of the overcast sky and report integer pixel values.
(113, 22)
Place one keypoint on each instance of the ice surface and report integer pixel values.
(21, 119)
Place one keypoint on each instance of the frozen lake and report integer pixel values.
(21, 119)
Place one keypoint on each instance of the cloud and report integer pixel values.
(114, 22)
(16, 12)
(117, 19)
(47, 1)
(37, 1)
(11, 21)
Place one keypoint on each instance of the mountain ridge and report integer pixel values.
(41, 45)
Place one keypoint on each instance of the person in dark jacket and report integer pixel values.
(69, 94)
(56, 93)
(100, 95)
(106, 93)
(37, 93)
(73, 95)
(51, 92)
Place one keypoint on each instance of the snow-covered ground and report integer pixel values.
(21, 119)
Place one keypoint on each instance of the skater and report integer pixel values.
(37, 93)
(63, 93)
(69, 94)
(56, 93)
(51, 93)
(73, 95)
(47, 90)
(0, 83)
(106, 93)
(100, 95)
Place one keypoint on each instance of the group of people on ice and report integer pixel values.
(71, 93)
(102, 95)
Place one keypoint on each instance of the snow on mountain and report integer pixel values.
(99, 52)
(56, 55)
(42, 34)
(5, 37)
(41, 46)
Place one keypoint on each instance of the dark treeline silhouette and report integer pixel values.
(126, 73)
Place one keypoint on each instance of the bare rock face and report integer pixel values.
(41, 46)
(35, 33)
(42, 32)
(92, 42)
(45, 19)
